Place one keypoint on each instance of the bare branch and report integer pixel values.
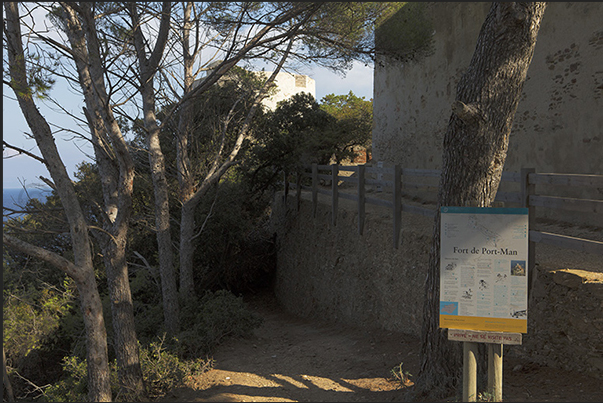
(104, 231)
(215, 174)
(228, 63)
(58, 261)
(22, 151)
(48, 182)
(153, 270)
(36, 387)
(209, 214)
(28, 231)
(59, 46)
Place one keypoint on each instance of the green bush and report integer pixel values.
(74, 387)
(167, 364)
(32, 317)
(162, 371)
(211, 319)
(205, 322)
(235, 250)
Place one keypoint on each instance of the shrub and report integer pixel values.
(74, 387)
(402, 376)
(162, 371)
(215, 316)
(31, 317)
(167, 364)
(235, 250)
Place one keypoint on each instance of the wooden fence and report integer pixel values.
(527, 179)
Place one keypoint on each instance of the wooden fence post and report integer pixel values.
(528, 189)
(397, 195)
(334, 188)
(314, 188)
(361, 195)
(298, 188)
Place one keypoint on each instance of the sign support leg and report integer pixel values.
(469, 371)
(495, 371)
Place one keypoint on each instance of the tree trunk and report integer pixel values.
(99, 386)
(129, 369)
(475, 149)
(5, 380)
(148, 67)
(186, 178)
(162, 228)
(82, 270)
(116, 213)
(191, 187)
(116, 171)
(187, 231)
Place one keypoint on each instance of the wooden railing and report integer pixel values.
(527, 179)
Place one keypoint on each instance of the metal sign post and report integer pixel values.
(483, 286)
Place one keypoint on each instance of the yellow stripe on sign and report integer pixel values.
(484, 324)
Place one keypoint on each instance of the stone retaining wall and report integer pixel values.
(333, 273)
(565, 321)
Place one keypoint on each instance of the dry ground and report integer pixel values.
(293, 359)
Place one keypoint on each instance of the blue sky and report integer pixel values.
(21, 169)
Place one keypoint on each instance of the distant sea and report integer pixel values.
(14, 198)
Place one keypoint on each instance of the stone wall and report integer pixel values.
(557, 127)
(565, 325)
(332, 273)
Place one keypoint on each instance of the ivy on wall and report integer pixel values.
(406, 35)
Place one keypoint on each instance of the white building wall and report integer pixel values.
(288, 85)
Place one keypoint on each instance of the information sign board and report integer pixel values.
(483, 269)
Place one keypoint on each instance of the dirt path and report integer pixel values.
(293, 359)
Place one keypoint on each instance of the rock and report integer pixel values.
(567, 278)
